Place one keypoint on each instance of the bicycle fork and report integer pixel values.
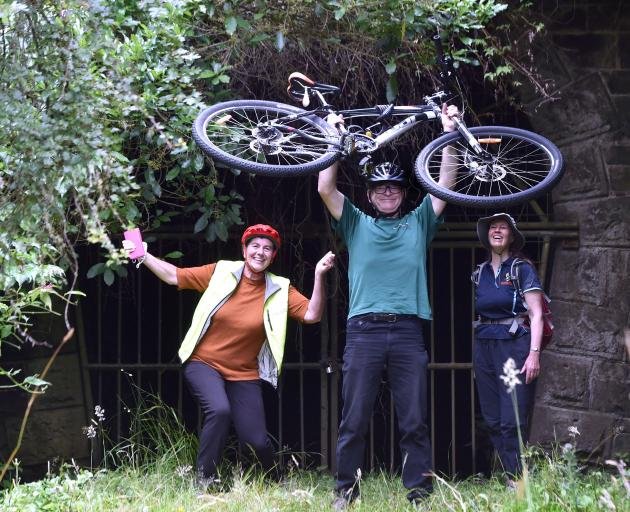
(472, 141)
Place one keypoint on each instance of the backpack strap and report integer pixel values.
(476, 274)
(515, 275)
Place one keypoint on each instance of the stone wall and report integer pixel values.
(53, 432)
(586, 376)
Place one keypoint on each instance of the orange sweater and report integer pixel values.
(235, 337)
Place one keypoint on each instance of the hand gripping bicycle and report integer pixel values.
(496, 165)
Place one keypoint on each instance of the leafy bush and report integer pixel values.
(98, 100)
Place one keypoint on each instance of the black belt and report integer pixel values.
(501, 321)
(385, 317)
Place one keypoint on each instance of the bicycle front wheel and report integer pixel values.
(518, 165)
(264, 137)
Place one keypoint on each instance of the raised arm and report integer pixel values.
(166, 271)
(448, 167)
(316, 305)
(327, 181)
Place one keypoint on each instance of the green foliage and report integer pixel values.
(156, 437)
(57, 492)
(98, 100)
(397, 33)
(160, 488)
(154, 471)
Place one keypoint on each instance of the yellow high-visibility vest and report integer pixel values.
(223, 282)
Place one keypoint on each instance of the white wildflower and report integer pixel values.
(567, 448)
(99, 412)
(510, 375)
(573, 431)
(182, 471)
(90, 432)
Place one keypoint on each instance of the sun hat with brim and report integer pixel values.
(483, 226)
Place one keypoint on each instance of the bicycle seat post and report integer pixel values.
(321, 98)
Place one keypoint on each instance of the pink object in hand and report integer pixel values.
(135, 236)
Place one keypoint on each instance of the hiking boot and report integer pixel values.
(340, 503)
(343, 500)
(417, 496)
(206, 484)
(511, 485)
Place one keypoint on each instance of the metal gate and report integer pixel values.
(131, 332)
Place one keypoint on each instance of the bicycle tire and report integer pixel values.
(525, 165)
(227, 132)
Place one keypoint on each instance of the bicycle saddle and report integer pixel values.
(300, 84)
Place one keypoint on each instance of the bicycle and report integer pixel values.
(497, 165)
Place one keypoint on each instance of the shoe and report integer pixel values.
(343, 500)
(340, 503)
(206, 484)
(417, 496)
(511, 485)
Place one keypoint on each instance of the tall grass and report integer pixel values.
(154, 472)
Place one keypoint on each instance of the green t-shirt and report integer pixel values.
(387, 260)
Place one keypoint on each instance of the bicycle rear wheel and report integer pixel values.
(522, 165)
(264, 137)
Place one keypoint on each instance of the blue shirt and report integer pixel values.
(387, 260)
(497, 297)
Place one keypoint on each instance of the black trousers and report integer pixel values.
(372, 345)
(497, 405)
(223, 402)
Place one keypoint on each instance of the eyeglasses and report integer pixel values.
(391, 188)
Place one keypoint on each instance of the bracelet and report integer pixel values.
(532, 349)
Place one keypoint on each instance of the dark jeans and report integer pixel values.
(496, 404)
(221, 402)
(371, 345)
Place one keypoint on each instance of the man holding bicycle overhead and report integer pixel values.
(388, 301)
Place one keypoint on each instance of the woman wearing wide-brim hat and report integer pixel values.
(501, 336)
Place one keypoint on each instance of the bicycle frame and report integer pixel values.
(415, 115)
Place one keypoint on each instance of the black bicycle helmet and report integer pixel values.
(387, 171)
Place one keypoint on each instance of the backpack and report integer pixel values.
(515, 275)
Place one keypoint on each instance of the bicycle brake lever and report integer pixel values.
(306, 100)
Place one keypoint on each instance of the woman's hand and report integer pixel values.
(531, 368)
(325, 264)
(129, 246)
(316, 304)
